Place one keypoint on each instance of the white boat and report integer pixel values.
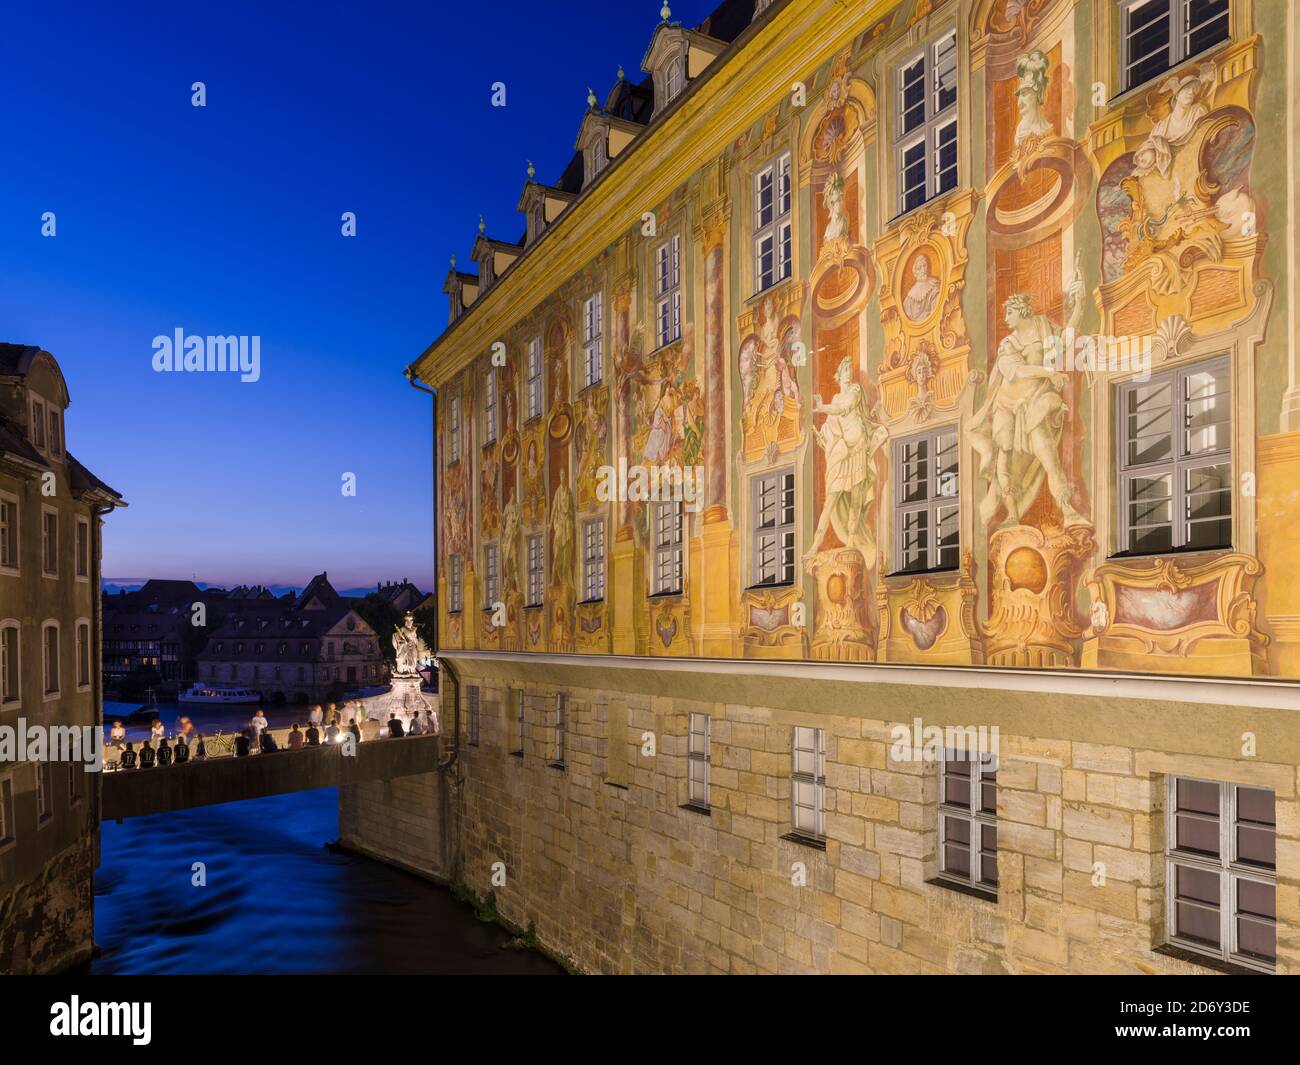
(216, 694)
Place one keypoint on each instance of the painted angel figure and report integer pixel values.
(849, 441)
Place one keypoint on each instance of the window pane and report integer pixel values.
(916, 470)
(913, 177)
(1208, 506)
(945, 77)
(1147, 40)
(1149, 413)
(1150, 513)
(1197, 904)
(945, 158)
(1206, 417)
(915, 540)
(912, 93)
(989, 855)
(949, 538)
(1207, 25)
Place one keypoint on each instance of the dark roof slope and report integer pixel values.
(15, 359)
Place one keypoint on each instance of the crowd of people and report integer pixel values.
(188, 744)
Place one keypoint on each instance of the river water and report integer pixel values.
(275, 900)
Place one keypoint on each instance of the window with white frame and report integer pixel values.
(772, 498)
(83, 654)
(534, 383)
(1175, 461)
(926, 146)
(518, 695)
(808, 782)
(9, 532)
(561, 724)
(1157, 35)
(472, 717)
(8, 819)
(1221, 870)
(773, 244)
(491, 577)
(38, 424)
(44, 793)
(593, 560)
(593, 328)
(10, 661)
(83, 548)
(674, 80)
(668, 291)
(968, 819)
(536, 569)
(50, 638)
(50, 541)
(697, 761)
(927, 525)
(455, 587)
(667, 547)
(453, 430)
(490, 405)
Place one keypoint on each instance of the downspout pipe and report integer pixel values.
(445, 668)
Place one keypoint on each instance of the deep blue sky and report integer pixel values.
(226, 220)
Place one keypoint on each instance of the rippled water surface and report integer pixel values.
(276, 901)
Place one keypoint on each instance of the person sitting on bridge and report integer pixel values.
(128, 757)
(267, 740)
(146, 756)
(313, 736)
(295, 738)
(414, 728)
(200, 747)
(181, 752)
(243, 743)
(156, 730)
(117, 736)
(164, 753)
(395, 726)
(355, 729)
(332, 730)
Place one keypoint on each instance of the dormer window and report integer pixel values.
(599, 155)
(674, 80)
(536, 221)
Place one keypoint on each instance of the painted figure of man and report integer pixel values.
(1017, 430)
(849, 441)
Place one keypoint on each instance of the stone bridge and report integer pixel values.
(221, 777)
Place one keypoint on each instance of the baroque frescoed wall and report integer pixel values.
(1107, 278)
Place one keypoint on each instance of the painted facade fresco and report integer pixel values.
(1037, 420)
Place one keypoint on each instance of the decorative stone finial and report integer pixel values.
(621, 75)
(591, 97)
(482, 226)
(665, 12)
(532, 170)
(453, 262)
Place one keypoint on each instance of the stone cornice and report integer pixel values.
(700, 125)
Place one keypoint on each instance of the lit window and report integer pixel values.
(592, 332)
(773, 502)
(1221, 870)
(968, 819)
(926, 504)
(491, 577)
(668, 291)
(455, 590)
(667, 547)
(808, 782)
(773, 254)
(697, 760)
(593, 560)
(453, 429)
(536, 569)
(1175, 462)
(534, 377)
(926, 147)
(1157, 35)
(490, 406)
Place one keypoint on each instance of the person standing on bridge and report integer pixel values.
(316, 716)
(355, 729)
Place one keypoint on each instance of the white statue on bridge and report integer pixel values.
(409, 648)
